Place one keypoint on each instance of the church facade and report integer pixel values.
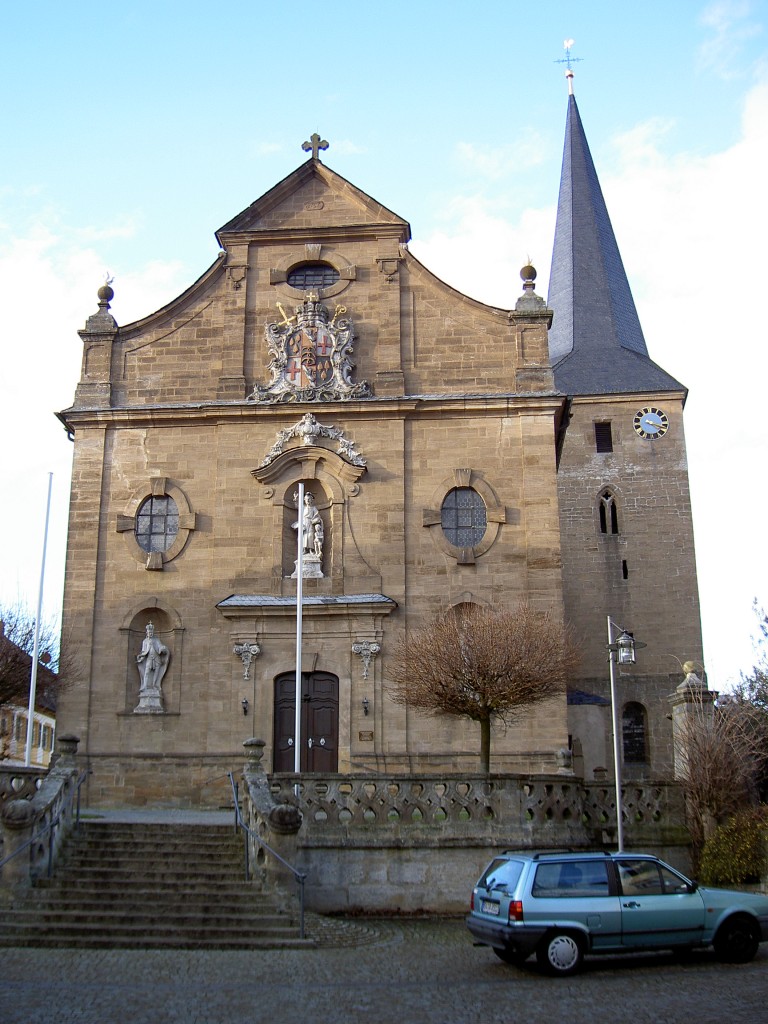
(429, 450)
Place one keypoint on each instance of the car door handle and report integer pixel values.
(632, 905)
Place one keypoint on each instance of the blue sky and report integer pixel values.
(131, 134)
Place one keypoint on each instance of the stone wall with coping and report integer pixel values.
(417, 843)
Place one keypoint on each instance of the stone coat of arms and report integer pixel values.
(310, 357)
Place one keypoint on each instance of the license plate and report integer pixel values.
(490, 908)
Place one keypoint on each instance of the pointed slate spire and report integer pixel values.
(596, 342)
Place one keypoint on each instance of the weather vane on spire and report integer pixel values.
(568, 60)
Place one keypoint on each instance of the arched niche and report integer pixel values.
(169, 630)
(332, 479)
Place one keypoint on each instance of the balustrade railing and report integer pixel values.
(48, 821)
(460, 805)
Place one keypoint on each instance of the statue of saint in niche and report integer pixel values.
(312, 536)
(312, 527)
(152, 661)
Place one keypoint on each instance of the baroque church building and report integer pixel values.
(449, 452)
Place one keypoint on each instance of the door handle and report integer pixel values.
(632, 905)
(312, 742)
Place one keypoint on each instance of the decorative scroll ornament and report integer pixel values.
(309, 430)
(247, 652)
(310, 357)
(367, 652)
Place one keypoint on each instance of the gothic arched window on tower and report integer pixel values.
(634, 733)
(609, 515)
(157, 523)
(463, 517)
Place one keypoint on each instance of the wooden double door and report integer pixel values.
(319, 722)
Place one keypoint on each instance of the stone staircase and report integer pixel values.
(152, 886)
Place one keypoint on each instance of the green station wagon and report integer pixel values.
(562, 906)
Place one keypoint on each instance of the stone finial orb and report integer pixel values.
(528, 272)
(105, 293)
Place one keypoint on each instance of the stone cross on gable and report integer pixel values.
(315, 144)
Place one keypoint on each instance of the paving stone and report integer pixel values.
(380, 971)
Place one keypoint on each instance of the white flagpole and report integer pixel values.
(299, 600)
(36, 647)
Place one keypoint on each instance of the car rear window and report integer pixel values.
(502, 874)
(571, 878)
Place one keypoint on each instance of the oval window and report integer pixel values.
(157, 523)
(463, 517)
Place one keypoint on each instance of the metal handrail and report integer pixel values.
(299, 876)
(49, 829)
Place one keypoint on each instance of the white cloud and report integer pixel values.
(731, 26)
(48, 285)
(481, 252)
(497, 162)
(345, 147)
(267, 148)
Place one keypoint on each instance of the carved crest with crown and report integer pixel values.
(311, 357)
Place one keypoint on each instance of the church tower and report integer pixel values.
(625, 510)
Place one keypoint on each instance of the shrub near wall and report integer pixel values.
(735, 854)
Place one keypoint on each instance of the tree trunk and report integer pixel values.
(485, 745)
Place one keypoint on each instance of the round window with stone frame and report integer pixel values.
(463, 517)
(157, 523)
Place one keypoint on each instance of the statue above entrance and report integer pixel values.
(310, 356)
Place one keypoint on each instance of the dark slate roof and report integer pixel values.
(596, 342)
(578, 697)
(270, 601)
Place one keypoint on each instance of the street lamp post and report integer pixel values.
(621, 650)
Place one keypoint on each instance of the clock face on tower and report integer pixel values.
(650, 423)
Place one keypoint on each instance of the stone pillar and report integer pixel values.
(276, 824)
(691, 703)
(17, 818)
(67, 749)
(98, 335)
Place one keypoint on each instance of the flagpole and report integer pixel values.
(36, 647)
(299, 609)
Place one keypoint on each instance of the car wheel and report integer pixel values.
(736, 941)
(511, 956)
(560, 954)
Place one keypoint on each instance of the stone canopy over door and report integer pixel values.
(319, 722)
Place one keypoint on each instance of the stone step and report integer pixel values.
(211, 903)
(85, 885)
(83, 938)
(147, 886)
(182, 924)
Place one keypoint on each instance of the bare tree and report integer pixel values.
(721, 754)
(484, 665)
(17, 644)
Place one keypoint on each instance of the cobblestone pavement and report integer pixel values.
(377, 972)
